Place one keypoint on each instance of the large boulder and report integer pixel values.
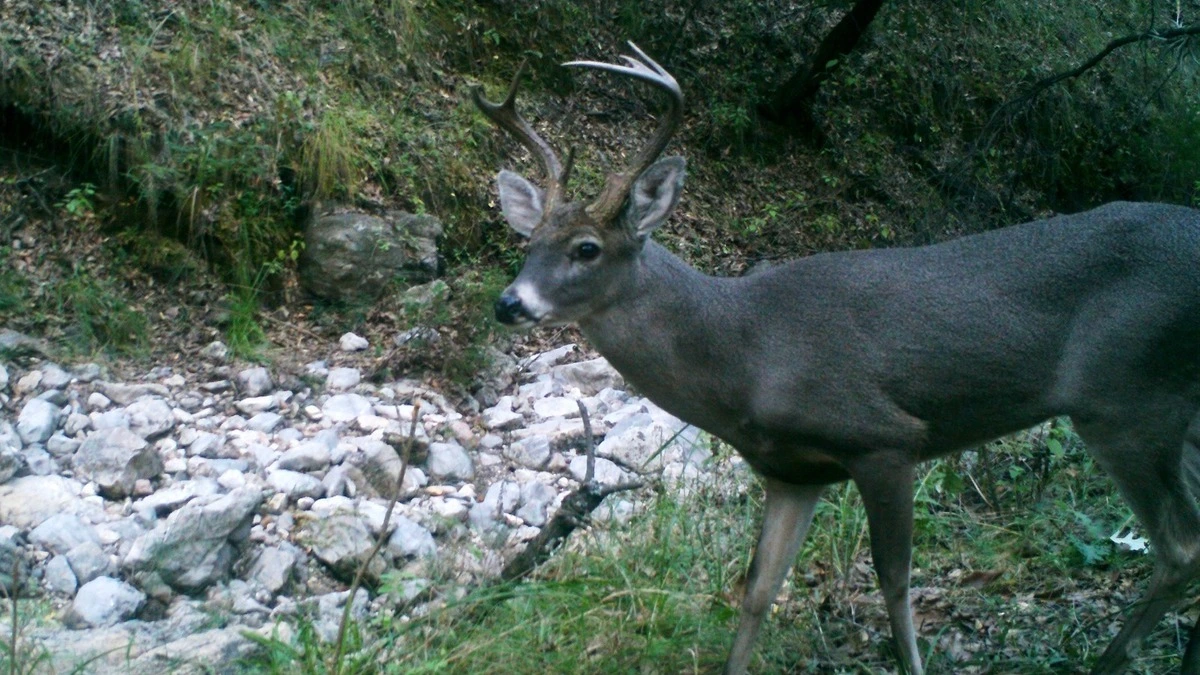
(351, 256)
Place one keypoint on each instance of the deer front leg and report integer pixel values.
(886, 484)
(787, 513)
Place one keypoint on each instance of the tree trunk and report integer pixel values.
(792, 102)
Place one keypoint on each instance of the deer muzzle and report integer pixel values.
(510, 311)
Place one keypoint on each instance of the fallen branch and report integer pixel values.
(576, 509)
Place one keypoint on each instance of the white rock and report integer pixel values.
(606, 472)
(256, 404)
(449, 461)
(556, 406)
(255, 381)
(342, 379)
(346, 407)
(353, 343)
(532, 452)
(105, 602)
(150, 417)
(295, 484)
(37, 420)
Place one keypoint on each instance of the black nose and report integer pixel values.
(509, 309)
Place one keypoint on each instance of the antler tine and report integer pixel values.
(505, 116)
(644, 68)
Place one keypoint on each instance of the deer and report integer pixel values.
(859, 365)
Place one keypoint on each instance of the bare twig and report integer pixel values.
(590, 473)
(406, 456)
(574, 511)
(1039, 87)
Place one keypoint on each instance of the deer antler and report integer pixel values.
(617, 185)
(505, 116)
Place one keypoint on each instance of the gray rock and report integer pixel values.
(346, 407)
(589, 377)
(124, 394)
(449, 461)
(295, 484)
(109, 419)
(255, 381)
(342, 379)
(353, 256)
(274, 567)
(54, 377)
(115, 459)
(89, 561)
(105, 602)
(77, 423)
(351, 342)
(256, 404)
(58, 577)
(536, 499)
(556, 406)
(62, 532)
(539, 364)
(163, 502)
(215, 650)
(88, 372)
(308, 456)
(190, 549)
(381, 469)
(410, 540)
(39, 462)
(605, 473)
(28, 501)
(150, 417)
(3, 377)
(11, 462)
(14, 344)
(210, 445)
(215, 351)
(502, 497)
(648, 442)
(532, 452)
(501, 417)
(342, 541)
(337, 482)
(37, 420)
(265, 422)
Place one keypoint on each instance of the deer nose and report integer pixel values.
(509, 309)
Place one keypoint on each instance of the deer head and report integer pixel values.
(581, 257)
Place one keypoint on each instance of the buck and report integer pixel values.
(860, 365)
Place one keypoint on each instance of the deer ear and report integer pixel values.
(520, 202)
(654, 195)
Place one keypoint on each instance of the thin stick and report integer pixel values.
(405, 456)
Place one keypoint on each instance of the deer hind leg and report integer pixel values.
(886, 486)
(787, 513)
(1156, 464)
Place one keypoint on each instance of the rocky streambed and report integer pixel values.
(137, 509)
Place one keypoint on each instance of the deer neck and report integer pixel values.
(666, 327)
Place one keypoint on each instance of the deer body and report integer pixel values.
(859, 365)
(1006, 329)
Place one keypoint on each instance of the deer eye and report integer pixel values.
(587, 250)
